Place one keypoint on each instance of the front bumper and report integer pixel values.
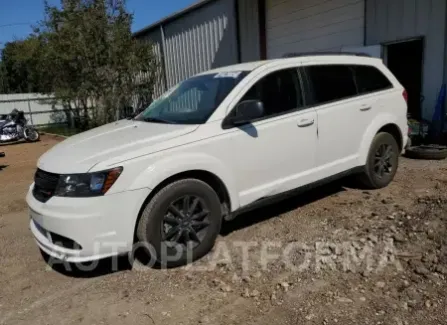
(100, 226)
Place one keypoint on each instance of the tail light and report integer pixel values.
(405, 95)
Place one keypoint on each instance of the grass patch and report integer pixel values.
(60, 130)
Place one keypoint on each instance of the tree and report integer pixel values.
(87, 57)
(4, 87)
(18, 73)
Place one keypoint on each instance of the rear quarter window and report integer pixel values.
(370, 79)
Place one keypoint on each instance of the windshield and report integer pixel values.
(192, 101)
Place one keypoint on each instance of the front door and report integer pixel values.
(276, 153)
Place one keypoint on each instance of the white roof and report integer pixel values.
(249, 66)
(336, 58)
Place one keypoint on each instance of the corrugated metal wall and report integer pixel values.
(249, 30)
(313, 25)
(394, 20)
(200, 40)
(203, 39)
(155, 36)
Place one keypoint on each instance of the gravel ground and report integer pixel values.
(336, 255)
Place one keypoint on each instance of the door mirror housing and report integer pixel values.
(246, 111)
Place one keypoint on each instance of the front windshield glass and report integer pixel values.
(192, 101)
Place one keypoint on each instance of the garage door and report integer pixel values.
(313, 25)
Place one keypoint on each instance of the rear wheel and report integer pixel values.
(181, 222)
(382, 162)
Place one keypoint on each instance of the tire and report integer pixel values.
(370, 177)
(36, 135)
(427, 152)
(408, 144)
(152, 224)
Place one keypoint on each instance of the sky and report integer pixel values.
(17, 16)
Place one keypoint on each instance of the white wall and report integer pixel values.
(43, 112)
(40, 110)
(313, 25)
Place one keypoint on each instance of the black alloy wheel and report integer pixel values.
(383, 162)
(181, 222)
(186, 221)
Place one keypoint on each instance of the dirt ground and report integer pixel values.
(336, 255)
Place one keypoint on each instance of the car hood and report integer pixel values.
(115, 141)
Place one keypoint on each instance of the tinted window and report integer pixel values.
(370, 79)
(331, 82)
(280, 92)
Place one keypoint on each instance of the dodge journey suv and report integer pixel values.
(219, 143)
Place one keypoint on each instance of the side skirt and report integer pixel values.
(282, 196)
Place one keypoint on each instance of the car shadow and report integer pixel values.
(3, 167)
(267, 212)
(94, 269)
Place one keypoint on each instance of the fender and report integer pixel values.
(379, 122)
(162, 169)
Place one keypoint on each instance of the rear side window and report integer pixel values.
(370, 79)
(331, 82)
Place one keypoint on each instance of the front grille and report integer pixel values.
(44, 185)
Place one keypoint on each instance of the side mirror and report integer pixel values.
(247, 111)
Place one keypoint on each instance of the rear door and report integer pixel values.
(342, 117)
(346, 100)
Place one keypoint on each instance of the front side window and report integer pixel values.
(279, 91)
(192, 101)
(331, 82)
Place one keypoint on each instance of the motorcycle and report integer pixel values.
(15, 127)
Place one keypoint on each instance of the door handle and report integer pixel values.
(364, 108)
(305, 122)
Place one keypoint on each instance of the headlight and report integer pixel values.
(85, 185)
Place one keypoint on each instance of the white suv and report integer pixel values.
(217, 144)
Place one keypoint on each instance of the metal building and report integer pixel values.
(409, 35)
(198, 38)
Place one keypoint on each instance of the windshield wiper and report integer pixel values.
(157, 120)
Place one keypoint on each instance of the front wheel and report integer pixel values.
(181, 222)
(30, 134)
(382, 161)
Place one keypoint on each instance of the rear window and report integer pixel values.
(370, 79)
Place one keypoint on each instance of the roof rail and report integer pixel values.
(293, 55)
